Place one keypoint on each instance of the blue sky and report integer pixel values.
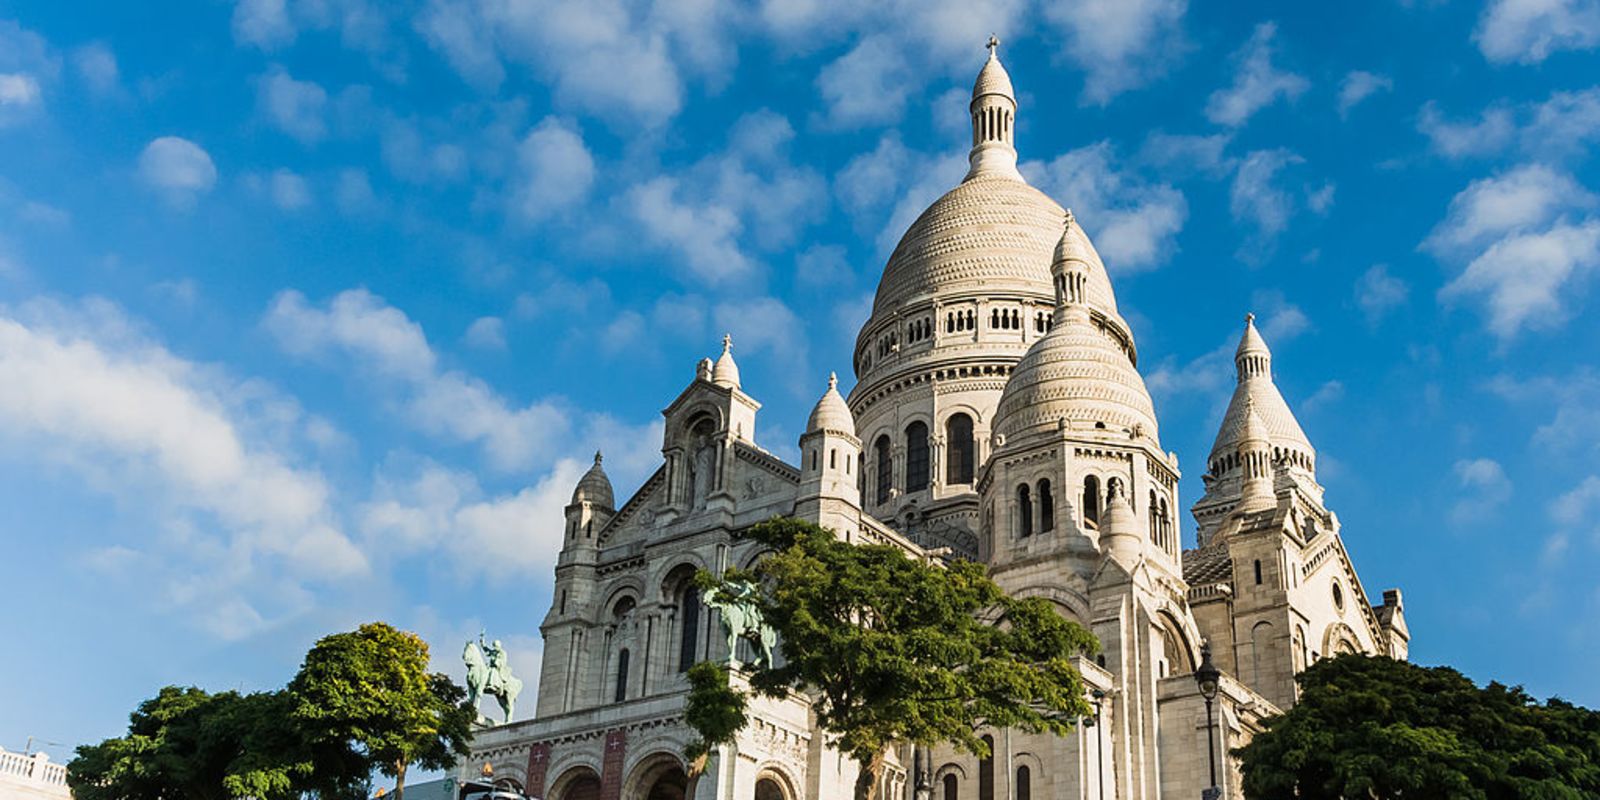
(312, 311)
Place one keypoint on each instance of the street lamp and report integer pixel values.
(1207, 676)
(1099, 752)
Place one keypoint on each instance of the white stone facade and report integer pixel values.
(998, 415)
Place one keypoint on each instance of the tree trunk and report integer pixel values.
(697, 768)
(870, 779)
(399, 780)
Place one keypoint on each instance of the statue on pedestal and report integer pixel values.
(489, 673)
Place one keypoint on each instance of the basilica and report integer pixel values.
(998, 414)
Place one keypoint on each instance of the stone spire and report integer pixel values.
(1253, 361)
(1070, 270)
(1119, 529)
(726, 372)
(831, 412)
(1257, 492)
(594, 487)
(994, 113)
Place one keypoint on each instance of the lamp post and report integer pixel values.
(1207, 676)
(1099, 752)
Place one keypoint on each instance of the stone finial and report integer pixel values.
(993, 45)
(726, 372)
(598, 458)
(833, 381)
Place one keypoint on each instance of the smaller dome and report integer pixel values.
(1073, 244)
(726, 372)
(1077, 374)
(1119, 529)
(831, 413)
(594, 487)
(1254, 428)
(993, 78)
(1251, 342)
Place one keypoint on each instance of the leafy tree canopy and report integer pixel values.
(363, 701)
(370, 689)
(892, 649)
(1373, 727)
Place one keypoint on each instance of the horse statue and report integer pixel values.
(489, 673)
(741, 618)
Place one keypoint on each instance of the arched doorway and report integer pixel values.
(769, 788)
(658, 778)
(579, 783)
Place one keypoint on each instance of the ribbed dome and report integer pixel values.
(1076, 373)
(993, 79)
(1255, 388)
(831, 413)
(991, 233)
(726, 372)
(594, 487)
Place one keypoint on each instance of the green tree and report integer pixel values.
(188, 743)
(893, 650)
(1373, 727)
(370, 690)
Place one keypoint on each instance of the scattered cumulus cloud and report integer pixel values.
(1358, 85)
(288, 190)
(1257, 198)
(183, 439)
(96, 65)
(1492, 131)
(1120, 44)
(1529, 31)
(867, 86)
(178, 168)
(1133, 223)
(556, 170)
(298, 108)
(1378, 293)
(486, 333)
(1483, 488)
(1257, 83)
(1527, 236)
(1564, 126)
(263, 23)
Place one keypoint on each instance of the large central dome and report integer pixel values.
(992, 233)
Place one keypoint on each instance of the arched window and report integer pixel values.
(1258, 572)
(1091, 500)
(622, 675)
(1024, 511)
(986, 771)
(994, 318)
(1166, 527)
(1047, 508)
(1024, 788)
(916, 457)
(962, 460)
(689, 618)
(885, 468)
(950, 787)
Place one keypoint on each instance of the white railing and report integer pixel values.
(33, 769)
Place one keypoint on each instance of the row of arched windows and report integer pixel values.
(1160, 522)
(1026, 498)
(1021, 787)
(918, 330)
(1005, 320)
(960, 461)
(990, 124)
(960, 321)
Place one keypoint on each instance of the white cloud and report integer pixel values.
(704, 236)
(1484, 488)
(1132, 222)
(717, 215)
(381, 340)
(1491, 133)
(263, 23)
(199, 451)
(354, 192)
(1180, 154)
(1120, 44)
(20, 97)
(1378, 293)
(1580, 506)
(414, 158)
(486, 333)
(1520, 199)
(1359, 85)
(866, 86)
(1257, 199)
(1326, 395)
(465, 37)
(298, 108)
(556, 170)
(762, 327)
(1525, 277)
(1529, 31)
(1256, 84)
(1566, 124)
(97, 66)
(178, 168)
(1320, 200)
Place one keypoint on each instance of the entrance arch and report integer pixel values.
(578, 783)
(657, 777)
